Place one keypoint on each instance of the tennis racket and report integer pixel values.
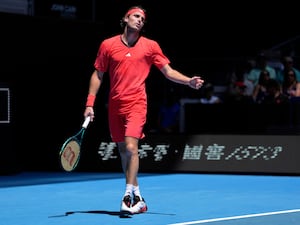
(70, 151)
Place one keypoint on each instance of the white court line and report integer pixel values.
(237, 217)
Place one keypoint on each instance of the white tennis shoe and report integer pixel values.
(126, 204)
(138, 206)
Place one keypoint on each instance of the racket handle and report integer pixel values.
(86, 122)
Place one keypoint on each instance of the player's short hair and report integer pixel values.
(129, 11)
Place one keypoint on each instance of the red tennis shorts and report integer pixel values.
(129, 123)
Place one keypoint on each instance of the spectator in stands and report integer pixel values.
(240, 73)
(238, 94)
(260, 90)
(288, 64)
(208, 96)
(290, 85)
(274, 93)
(261, 64)
(250, 64)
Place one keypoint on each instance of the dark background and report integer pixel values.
(47, 59)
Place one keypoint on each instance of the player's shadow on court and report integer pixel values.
(112, 213)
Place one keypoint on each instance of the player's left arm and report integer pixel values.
(195, 82)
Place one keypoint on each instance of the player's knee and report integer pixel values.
(132, 148)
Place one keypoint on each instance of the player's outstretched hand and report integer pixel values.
(196, 82)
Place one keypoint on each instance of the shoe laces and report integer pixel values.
(127, 200)
(136, 199)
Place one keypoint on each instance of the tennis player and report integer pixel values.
(127, 58)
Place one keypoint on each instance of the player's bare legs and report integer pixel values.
(130, 159)
(130, 165)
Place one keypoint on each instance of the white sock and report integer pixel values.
(136, 191)
(129, 190)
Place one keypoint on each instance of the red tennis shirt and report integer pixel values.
(128, 68)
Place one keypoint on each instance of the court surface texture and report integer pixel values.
(85, 198)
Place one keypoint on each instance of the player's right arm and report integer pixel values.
(95, 83)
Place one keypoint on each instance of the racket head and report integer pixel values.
(70, 151)
(70, 154)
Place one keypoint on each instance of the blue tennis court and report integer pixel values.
(58, 198)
